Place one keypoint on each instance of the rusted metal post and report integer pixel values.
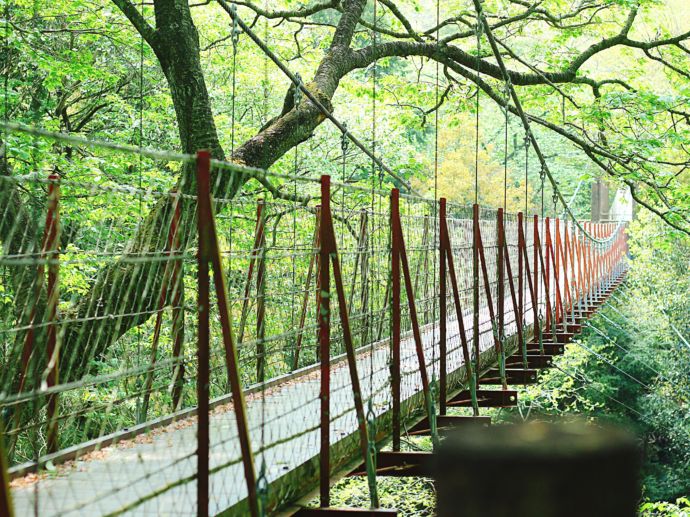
(558, 301)
(177, 315)
(395, 316)
(550, 318)
(203, 285)
(447, 251)
(423, 267)
(324, 345)
(500, 275)
(168, 271)
(541, 265)
(535, 238)
(522, 246)
(557, 266)
(258, 237)
(443, 390)
(261, 293)
(570, 253)
(6, 506)
(513, 296)
(521, 269)
(489, 300)
(561, 251)
(586, 267)
(52, 254)
(414, 320)
(363, 246)
(305, 299)
(231, 361)
(331, 248)
(563, 276)
(475, 289)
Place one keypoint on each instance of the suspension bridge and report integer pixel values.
(266, 367)
(197, 348)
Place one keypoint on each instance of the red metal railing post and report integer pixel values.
(260, 293)
(395, 316)
(232, 363)
(178, 314)
(203, 373)
(570, 256)
(443, 238)
(550, 317)
(258, 239)
(513, 295)
(541, 264)
(209, 252)
(489, 300)
(305, 299)
(6, 505)
(521, 268)
(447, 251)
(414, 320)
(535, 261)
(168, 277)
(475, 289)
(561, 250)
(324, 345)
(558, 300)
(522, 247)
(585, 265)
(330, 245)
(557, 264)
(500, 274)
(51, 253)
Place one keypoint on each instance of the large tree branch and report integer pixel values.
(137, 20)
(365, 56)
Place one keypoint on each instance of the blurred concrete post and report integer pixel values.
(538, 470)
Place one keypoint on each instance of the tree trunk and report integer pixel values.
(124, 294)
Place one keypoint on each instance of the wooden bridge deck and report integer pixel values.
(153, 474)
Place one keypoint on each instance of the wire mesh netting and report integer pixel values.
(99, 328)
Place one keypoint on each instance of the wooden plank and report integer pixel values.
(446, 423)
(400, 464)
(533, 361)
(549, 348)
(360, 512)
(486, 398)
(513, 376)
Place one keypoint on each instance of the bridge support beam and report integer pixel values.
(512, 375)
(359, 512)
(401, 464)
(485, 398)
(447, 423)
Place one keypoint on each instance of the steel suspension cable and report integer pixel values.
(505, 153)
(262, 483)
(370, 460)
(140, 143)
(435, 246)
(589, 382)
(476, 121)
(235, 37)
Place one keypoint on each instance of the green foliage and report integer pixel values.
(78, 66)
(408, 495)
(681, 508)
